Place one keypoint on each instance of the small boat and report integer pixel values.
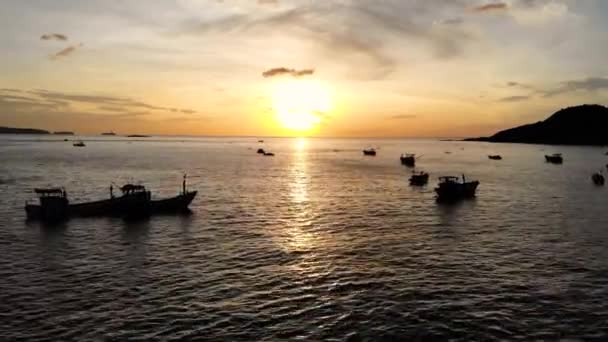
(452, 188)
(555, 158)
(419, 178)
(261, 151)
(495, 157)
(260, 141)
(598, 178)
(369, 152)
(108, 133)
(408, 159)
(135, 201)
(79, 144)
(269, 154)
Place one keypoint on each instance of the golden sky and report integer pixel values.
(398, 68)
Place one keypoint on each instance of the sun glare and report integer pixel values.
(300, 105)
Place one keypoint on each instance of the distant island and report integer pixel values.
(579, 125)
(12, 130)
(63, 133)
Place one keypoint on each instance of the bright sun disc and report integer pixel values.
(300, 104)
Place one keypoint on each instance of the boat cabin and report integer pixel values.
(53, 204)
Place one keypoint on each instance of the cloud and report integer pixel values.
(286, 71)
(496, 6)
(513, 84)
(353, 34)
(54, 36)
(515, 98)
(402, 117)
(65, 52)
(589, 84)
(268, 2)
(53, 101)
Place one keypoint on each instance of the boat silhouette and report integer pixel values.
(408, 159)
(555, 158)
(451, 188)
(369, 152)
(135, 201)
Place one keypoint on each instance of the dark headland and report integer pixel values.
(579, 125)
(12, 130)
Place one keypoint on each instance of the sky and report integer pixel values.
(343, 68)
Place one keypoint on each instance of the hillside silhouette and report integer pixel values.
(579, 125)
(12, 130)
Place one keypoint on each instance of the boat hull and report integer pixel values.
(128, 206)
(456, 191)
(408, 161)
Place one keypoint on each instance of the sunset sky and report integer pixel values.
(440, 68)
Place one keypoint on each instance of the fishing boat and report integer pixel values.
(555, 158)
(108, 133)
(408, 159)
(495, 157)
(419, 178)
(79, 144)
(598, 178)
(261, 151)
(369, 152)
(452, 188)
(269, 154)
(135, 201)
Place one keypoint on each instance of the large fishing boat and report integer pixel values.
(135, 201)
(452, 188)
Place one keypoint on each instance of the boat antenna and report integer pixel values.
(184, 184)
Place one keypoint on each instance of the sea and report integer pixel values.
(318, 243)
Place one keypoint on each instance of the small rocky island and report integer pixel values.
(579, 125)
(12, 130)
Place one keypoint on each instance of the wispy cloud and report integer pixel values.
(589, 84)
(515, 98)
(286, 71)
(111, 105)
(496, 6)
(65, 52)
(54, 36)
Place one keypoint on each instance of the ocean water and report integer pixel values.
(316, 243)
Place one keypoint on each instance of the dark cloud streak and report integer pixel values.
(54, 36)
(496, 6)
(286, 71)
(65, 52)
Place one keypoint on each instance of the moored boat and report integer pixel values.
(369, 152)
(555, 158)
(419, 178)
(269, 154)
(135, 201)
(408, 159)
(495, 157)
(598, 178)
(79, 144)
(452, 188)
(261, 151)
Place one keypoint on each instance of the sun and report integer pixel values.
(300, 105)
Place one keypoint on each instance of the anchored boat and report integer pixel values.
(369, 152)
(598, 178)
(452, 188)
(408, 159)
(135, 201)
(495, 157)
(419, 178)
(555, 158)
